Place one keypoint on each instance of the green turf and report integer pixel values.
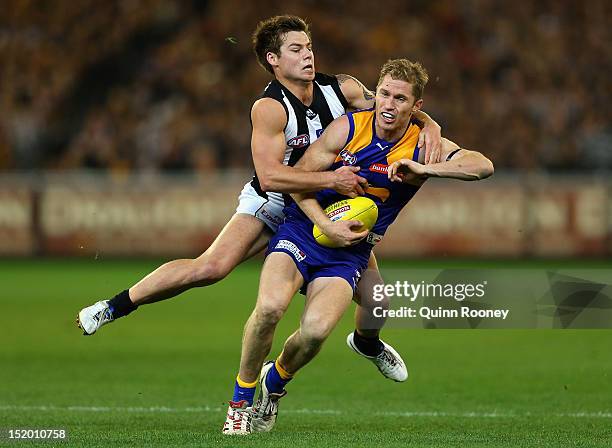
(160, 376)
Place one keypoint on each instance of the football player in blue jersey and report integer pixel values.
(382, 142)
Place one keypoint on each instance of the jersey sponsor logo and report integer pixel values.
(319, 132)
(291, 248)
(347, 157)
(299, 141)
(379, 168)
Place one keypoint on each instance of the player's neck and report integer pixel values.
(303, 90)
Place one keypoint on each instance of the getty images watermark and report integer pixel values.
(413, 292)
(464, 298)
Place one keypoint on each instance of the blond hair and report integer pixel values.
(405, 70)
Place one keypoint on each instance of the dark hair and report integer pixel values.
(269, 34)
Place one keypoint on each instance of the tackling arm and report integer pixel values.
(268, 147)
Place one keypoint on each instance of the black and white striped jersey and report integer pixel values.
(304, 123)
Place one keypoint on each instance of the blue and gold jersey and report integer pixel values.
(374, 155)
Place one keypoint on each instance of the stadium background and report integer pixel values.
(125, 125)
(124, 140)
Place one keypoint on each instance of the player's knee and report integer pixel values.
(369, 293)
(268, 314)
(208, 271)
(370, 302)
(315, 331)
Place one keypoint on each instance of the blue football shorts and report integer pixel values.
(313, 260)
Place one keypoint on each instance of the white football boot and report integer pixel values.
(238, 420)
(389, 362)
(266, 408)
(91, 318)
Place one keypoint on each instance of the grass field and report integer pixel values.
(162, 376)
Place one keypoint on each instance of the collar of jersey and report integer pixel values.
(377, 139)
(315, 87)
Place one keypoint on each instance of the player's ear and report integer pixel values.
(417, 105)
(272, 58)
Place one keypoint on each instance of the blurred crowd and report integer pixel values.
(167, 85)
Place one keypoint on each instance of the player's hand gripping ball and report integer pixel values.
(360, 208)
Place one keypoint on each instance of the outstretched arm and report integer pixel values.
(462, 164)
(359, 96)
(457, 163)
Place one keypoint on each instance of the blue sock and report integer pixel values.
(243, 393)
(274, 382)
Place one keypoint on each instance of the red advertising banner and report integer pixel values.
(170, 220)
(169, 217)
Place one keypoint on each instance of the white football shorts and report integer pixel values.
(268, 210)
